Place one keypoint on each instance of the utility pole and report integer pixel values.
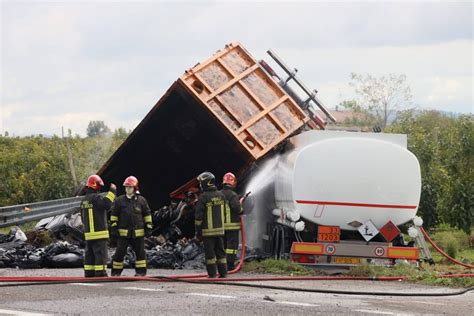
(69, 155)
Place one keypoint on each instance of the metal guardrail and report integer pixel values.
(23, 213)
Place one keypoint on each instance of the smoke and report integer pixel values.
(95, 152)
(261, 202)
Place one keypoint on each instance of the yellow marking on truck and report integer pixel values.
(402, 253)
(307, 248)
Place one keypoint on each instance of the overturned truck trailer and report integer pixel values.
(232, 113)
(221, 115)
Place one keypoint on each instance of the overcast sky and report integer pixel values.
(66, 63)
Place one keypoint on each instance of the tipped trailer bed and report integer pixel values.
(221, 115)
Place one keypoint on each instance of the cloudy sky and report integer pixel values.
(66, 63)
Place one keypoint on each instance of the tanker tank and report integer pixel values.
(344, 178)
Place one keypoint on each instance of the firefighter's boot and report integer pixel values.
(117, 268)
(222, 267)
(140, 267)
(211, 268)
(89, 273)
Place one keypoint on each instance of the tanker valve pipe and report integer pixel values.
(298, 226)
(286, 214)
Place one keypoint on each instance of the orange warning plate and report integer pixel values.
(329, 233)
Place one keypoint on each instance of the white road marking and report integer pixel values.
(141, 289)
(210, 295)
(294, 303)
(373, 312)
(429, 303)
(23, 313)
(88, 284)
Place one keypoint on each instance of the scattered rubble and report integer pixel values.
(58, 242)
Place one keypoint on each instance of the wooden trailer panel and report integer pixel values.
(251, 106)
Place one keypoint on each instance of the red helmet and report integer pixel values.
(230, 179)
(94, 182)
(131, 182)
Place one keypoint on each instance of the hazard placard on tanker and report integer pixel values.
(329, 233)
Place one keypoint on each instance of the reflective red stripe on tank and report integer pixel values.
(356, 204)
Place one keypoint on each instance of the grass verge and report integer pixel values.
(280, 267)
(428, 275)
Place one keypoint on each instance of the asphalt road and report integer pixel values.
(146, 298)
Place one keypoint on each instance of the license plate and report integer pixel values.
(347, 260)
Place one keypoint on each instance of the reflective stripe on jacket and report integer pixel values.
(209, 215)
(233, 209)
(94, 209)
(131, 216)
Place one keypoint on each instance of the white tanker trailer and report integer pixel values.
(343, 181)
(343, 178)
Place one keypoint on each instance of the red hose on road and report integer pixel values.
(435, 246)
(245, 279)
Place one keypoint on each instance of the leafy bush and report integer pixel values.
(452, 241)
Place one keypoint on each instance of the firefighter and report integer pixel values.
(233, 210)
(94, 209)
(209, 223)
(130, 222)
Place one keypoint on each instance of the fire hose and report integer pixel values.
(28, 281)
(435, 246)
(201, 278)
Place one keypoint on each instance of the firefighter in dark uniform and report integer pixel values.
(233, 210)
(94, 209)
(209, 223)
(130, 222)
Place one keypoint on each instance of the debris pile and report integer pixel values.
(58, 242)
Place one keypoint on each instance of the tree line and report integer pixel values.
(36, 168)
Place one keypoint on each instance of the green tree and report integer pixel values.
(33, 169)
(120, 134)
(97, 128)
(36, 168)
(444, 147)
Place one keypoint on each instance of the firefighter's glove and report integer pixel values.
(113, 188)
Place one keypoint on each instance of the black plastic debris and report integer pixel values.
(174, 221)
(252, 254)
(62, 254)
(167, 256)
(66, 227)
(57, 242)
(197, 263)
